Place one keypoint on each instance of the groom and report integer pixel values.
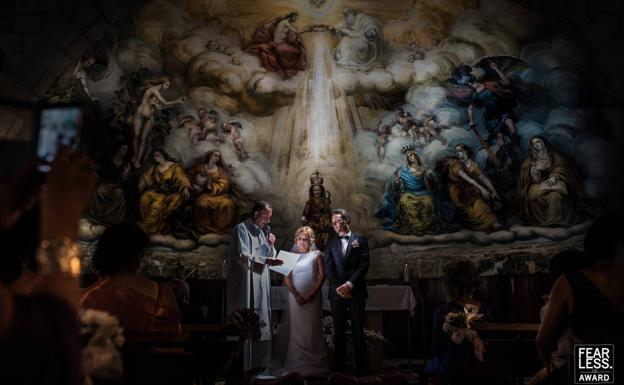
(346, 262)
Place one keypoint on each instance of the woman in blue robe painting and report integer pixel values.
(408, 205)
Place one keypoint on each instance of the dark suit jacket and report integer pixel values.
(353, 266)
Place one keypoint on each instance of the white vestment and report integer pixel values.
(248, 286)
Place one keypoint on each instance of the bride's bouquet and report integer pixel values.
(458, 325)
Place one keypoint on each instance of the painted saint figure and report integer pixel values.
(71, 83)
(143, 121)
(80, 73)
(109, 204)
(209, 128)
(547, 186)
(179, 142)
(404, 123)
(383, 132)
(163, 188)
(498, 101)
(408, 205)
(470, 191)
(231, 129)
(213, 208)
(362, 46)
(279, 46)
(427, 130)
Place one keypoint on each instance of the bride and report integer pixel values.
(300, 346)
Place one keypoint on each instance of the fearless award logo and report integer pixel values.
(594, 364)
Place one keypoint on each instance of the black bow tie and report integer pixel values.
(343, 237)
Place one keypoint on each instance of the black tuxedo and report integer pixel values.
(340, 268)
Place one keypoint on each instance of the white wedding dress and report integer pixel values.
(300, 346)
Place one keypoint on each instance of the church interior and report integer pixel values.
(310, 191)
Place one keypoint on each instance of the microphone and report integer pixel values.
(266, 230)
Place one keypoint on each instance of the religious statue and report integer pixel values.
(317, 211)
(362, 46)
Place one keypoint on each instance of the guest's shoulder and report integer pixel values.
(101, 284)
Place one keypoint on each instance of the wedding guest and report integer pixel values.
(451, 359)
(39, 331)
(589, 301)
(182, 294)
(141, 304)
(561, 263)
(300, 346)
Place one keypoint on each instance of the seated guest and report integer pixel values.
(450, 359)
(561, 263)
(39, 330)
(141, 304)
(182, 294)
(589, 301)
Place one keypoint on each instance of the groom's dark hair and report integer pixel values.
(260, 206)
(344, 214)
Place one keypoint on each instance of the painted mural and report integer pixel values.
(431, 121)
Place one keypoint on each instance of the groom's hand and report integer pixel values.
(344, 291)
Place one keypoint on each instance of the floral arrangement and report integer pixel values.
(458, 326)
(371, 337)
(103, 336)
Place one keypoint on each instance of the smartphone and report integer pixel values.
(59, 125)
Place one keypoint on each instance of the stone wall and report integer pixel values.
(387, 263)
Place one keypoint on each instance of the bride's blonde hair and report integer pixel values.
(305, 229)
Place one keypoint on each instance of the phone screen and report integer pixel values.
(58, 126)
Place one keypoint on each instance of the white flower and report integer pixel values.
(371, 336)
(100, 357)
(91, 316)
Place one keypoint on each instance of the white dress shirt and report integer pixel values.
(345, 244)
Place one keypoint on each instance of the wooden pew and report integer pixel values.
(510, 355)
(197, 355)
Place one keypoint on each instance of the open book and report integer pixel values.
(290, 259)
